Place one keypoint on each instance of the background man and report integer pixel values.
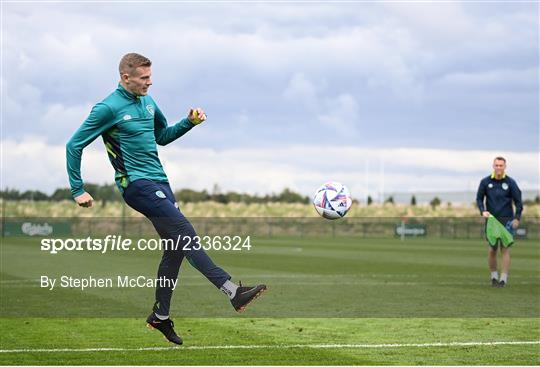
(131, 124)
(500, 190)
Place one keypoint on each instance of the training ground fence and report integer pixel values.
(388, 227)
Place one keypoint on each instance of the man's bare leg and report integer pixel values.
(492, 263)
(505, 266)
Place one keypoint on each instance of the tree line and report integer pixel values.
(109, 193)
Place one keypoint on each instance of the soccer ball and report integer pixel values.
(332, 200)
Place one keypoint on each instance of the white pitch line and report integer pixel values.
(276, 346)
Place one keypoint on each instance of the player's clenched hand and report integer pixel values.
(515, 223)
(85, 200)
(196, 116)
(485, 214)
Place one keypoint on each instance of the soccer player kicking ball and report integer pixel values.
(500, 190)
(130, 123)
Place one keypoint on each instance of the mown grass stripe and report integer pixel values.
(277, 346)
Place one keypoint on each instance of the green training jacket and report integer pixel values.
(130, 127)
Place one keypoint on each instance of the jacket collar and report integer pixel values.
(123, 91)
(493, 177)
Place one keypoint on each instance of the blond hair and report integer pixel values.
(132, 61)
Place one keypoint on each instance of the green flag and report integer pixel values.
(495, 231)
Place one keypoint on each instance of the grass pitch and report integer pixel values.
(330, 301)
(272, 341)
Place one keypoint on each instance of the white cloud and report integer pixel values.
(338, 116)
(19, 99)
(302, 90)
(493, 78)
(341, 116)
(32, 164)
(36, 165)
(394, 49)
(65, 117)
(337, 78)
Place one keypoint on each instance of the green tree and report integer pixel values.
(107, 193)
(288, 196)
(34, 195)
(10, 194)
(92, 189)
(413, 200)
(435, 202)
(369, 200)
(191, 196)
(61, 194)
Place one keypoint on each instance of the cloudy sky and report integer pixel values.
(381, 96)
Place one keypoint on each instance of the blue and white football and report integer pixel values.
(332, 200)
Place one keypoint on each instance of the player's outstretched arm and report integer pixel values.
(167, 134)
(99, 121)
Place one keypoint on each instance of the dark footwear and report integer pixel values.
(165, 326)
(245, 295)
(501, 284)
(494, 282)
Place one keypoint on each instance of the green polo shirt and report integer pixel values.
(131, 127)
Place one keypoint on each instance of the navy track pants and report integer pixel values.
(156, 201)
